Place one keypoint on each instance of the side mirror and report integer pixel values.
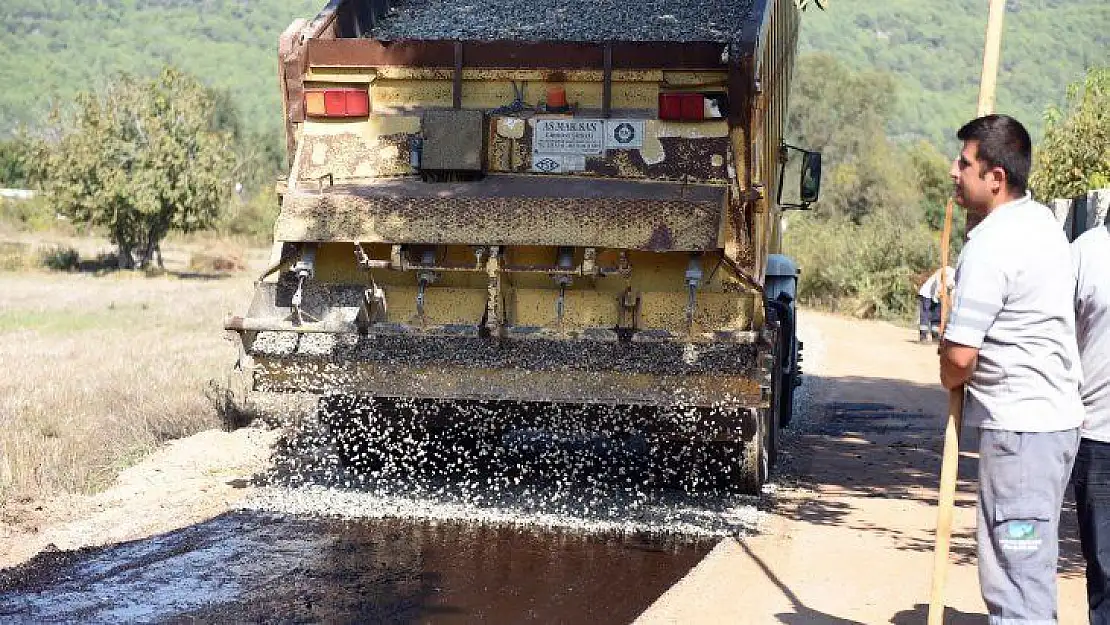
(799, 177)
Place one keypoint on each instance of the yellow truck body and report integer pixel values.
(549, 221)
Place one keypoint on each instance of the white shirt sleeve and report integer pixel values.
(981, 286)
(929, 288)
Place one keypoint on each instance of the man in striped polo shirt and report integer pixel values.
(1011, 340)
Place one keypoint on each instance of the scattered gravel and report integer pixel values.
(554, 468)
(567, 20)
(361, 458)
(706, 518)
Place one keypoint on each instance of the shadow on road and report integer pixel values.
(919, 615)
(883, 438)
(802, 614)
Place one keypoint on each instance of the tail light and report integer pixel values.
(345, 102)
(690, 107)
(670, 106)
(693, 106)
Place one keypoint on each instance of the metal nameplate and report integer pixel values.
(584, 137)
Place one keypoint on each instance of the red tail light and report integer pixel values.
(344, 102)
(693, 106)
(670, 106)
(682, 106)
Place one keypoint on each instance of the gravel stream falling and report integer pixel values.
(356, 458)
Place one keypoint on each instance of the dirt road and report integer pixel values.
(851, 541)
(845, 535)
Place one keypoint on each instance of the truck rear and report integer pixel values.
(566, 203)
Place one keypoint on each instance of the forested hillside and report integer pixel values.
(51, 49)
(934, 50)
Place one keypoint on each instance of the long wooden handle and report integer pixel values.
(946, 503)
(950, 462)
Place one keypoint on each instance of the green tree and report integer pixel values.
(837, 110)
(843, 113)
(868, 244)
(144, 157)
(1074, 156)
(17, 161)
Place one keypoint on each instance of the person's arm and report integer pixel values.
(957, 363)
(981, 285)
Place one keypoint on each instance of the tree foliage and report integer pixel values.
(55, 48)
(17, 162)
(140, 159)
(874, 234)
(935, 51)
(843, 113)
(1074, 156)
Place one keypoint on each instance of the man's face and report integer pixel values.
(976, 186)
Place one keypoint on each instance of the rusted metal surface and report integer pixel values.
(510, 210)
(681, 152)
(514, 304)
(515, 54)
(351, 155)
(694, 159)
(291, 70)
(383, 379)
(778, 49)
(453, 140)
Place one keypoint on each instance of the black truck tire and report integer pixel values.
(787, 345)
(755, 460)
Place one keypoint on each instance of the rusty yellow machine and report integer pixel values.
(537, 207)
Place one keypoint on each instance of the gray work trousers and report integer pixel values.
(1022, 477)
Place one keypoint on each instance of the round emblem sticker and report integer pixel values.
(624, 133)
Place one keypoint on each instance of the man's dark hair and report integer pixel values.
(1003, 142)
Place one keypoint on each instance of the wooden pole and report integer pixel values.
(992, 51)
(950, 463)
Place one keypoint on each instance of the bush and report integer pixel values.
(14, 256)
(61, 258)
(871, 269)
(253, 219)
(34, 215)
(222, 258)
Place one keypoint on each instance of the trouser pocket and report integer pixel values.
(1023, 536)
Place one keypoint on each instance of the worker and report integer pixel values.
(928, 303)
(1091, 476)
(1011, 339)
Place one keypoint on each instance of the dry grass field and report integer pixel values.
(101, 367)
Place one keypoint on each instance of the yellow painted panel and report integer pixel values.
(369, 128)
(714, 311)
(442, 305)
(341, 75)
(348, 149)
(394, 94)
(582, 308)
(412, 93)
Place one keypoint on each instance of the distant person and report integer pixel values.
(1011, 339)
(928, 304)
(1091, 476)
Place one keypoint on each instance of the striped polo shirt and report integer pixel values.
(1014, 301)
